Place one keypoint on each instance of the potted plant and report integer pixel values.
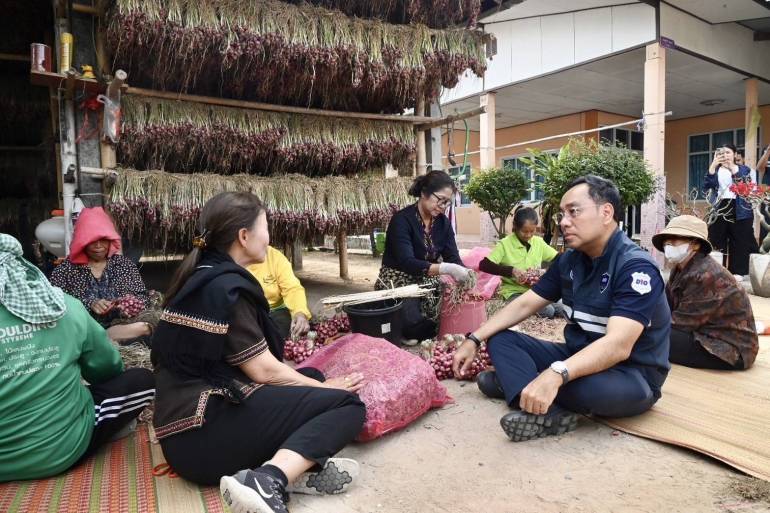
(497, 191)
(626, 168)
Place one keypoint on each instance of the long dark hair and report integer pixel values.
(426, 185)
(221, 219)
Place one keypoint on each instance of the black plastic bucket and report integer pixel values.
(380, 319)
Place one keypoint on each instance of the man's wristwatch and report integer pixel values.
(561, 369)
(471, 336)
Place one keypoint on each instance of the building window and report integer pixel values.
(461, 175)
(622, 137)
(701, 149)
(515, 163)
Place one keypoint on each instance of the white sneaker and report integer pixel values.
(336, 477)
(738, 278)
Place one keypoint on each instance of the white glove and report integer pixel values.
(458, 272)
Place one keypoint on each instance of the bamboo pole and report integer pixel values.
(422, 159)
(451, 118)
(342, 247)
(226, 102)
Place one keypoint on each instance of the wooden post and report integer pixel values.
(422, 158)
(750, 143)
(296, 254)
(752, 104)
(487, 156)
(654, 211)
(342, 247)
(107, 156)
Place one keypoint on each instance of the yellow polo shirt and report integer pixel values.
(510, 251)
(282, 288)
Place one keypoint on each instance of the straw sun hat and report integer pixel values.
(689, 227)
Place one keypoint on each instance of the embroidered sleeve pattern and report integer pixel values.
(247, 354)
(217, 328)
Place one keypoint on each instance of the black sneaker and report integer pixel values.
(336, 477)
(251, 491)
(489, 385)
(521, 426)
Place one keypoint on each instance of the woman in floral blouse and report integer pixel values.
(712, 321)
(106, 282)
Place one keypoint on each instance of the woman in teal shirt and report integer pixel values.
(516, 254)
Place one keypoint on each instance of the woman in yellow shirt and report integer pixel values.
(516, 254)
(284, 292)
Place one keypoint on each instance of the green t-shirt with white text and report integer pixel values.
(46, 412)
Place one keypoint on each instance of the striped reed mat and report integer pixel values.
(117, 479)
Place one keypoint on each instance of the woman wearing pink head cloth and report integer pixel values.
(106, 282)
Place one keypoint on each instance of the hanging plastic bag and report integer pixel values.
(399, 386)
(112, 117)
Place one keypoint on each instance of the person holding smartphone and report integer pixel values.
(733, 229)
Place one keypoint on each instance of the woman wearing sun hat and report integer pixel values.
(712, 324)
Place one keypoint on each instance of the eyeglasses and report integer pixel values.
(442, 202)
(571, 213)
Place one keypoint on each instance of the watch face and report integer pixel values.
(559, 367)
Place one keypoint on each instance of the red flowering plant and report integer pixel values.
(758, 196)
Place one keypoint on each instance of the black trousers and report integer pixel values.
(117, 402)
(313, 422)
(282, 319)
(728, 235)
(685, 350)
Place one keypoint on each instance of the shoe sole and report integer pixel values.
(336, 477)
(526, 426)
(240, 498)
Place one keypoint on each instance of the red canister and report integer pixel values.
(41, 57)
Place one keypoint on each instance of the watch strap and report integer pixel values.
(471, 336)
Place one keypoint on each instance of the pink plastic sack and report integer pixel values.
(399, 385)
(475, 256)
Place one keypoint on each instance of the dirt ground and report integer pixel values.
(457, 459)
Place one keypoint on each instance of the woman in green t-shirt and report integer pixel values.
(519, 257)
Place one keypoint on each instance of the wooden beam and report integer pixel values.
(22, 148)
(86, 9)
(342, 247)
(117, 83)
(451, 118)
(14, 57)
(242, 104)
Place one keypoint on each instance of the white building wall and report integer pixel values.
(730, 43)
(531, 47)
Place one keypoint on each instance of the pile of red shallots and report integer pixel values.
(441, 352)
(129, 306)
(318, 336)
(532, 276)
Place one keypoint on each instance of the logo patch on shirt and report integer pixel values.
(571, 275)
(641, 283)
(604, 283)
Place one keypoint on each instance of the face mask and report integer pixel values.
(676, 254)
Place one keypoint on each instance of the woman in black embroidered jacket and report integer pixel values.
(226, 406)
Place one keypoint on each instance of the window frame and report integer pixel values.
(530, 176)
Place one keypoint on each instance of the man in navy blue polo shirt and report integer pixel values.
(615, 359)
